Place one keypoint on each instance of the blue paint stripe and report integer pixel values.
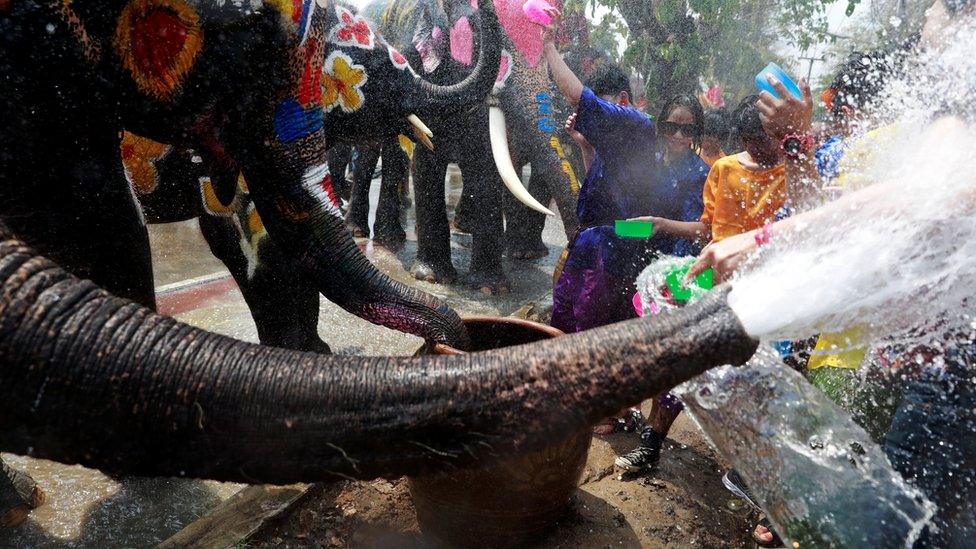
(303, 20)
(293, 122)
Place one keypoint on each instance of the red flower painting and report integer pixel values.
(352, 30)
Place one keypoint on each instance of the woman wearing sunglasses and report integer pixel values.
(638, 167)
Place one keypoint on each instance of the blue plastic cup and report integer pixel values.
(774, 70)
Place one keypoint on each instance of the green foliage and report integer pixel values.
(675, 45)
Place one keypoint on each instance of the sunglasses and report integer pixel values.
(671, 128)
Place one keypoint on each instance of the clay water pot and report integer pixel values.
(512, 501)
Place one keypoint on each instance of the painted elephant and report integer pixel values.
(91, 378)
(175, 183)
(252, 98)
(437, 36)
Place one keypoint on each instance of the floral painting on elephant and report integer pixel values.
(158, 42)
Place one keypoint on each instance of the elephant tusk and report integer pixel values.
(418, 124)
(503, 161)
(421, 131)
(422, 137)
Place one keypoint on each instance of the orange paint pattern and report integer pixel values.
(158, 41)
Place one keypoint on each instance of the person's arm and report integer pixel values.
(567, 82)
(789, 115)
(603, 123)
(586, 149)
(689, 230)
(725, 256)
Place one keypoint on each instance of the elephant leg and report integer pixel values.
(357, 218)
(339, 158)
(523, 226)
(433, 232)
(18, 495)
(462, 213)
(283, 303)
(389, 232)
(481, 177)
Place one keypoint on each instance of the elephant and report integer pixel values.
(175, 184)
(395, 171)
(101, 380)
(524, 115)
(252, 99)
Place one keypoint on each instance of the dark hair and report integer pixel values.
(717, 124)
(691, 103)
(859, 80)
(745, 119)
(608, 79)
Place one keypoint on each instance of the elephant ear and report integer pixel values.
(462, 36)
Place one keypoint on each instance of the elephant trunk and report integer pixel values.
(427, 96)
(91, 378)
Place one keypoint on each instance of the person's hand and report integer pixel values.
(549, 31)
(781, 117)
(724, 257)
(577, 136)
(659, 224)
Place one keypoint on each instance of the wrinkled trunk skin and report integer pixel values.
(94, 379)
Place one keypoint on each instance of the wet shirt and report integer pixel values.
(738, 200)
(828, 156)
(628, 177)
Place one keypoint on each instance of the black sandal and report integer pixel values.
(775, 542)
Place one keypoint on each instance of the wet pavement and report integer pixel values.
(88, 509)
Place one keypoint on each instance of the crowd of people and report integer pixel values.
(719, 185)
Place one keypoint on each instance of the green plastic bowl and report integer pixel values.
(633, 229)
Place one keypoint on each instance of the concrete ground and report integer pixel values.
(681, 502)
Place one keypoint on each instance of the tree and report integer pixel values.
(882, 24)
(674, 44)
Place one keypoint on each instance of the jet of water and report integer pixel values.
(902, 250)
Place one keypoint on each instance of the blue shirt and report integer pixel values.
(629, 178)
(828, 156)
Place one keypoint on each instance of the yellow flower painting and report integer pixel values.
(342, 81)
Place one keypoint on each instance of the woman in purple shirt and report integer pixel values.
(634, 168)
(639, 169)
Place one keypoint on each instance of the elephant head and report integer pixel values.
(94, 379)
(357, 62)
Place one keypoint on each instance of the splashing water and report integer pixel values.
(906, 253)
(898, 262)
(823, 481)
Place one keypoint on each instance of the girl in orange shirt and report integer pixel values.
(743, 192)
